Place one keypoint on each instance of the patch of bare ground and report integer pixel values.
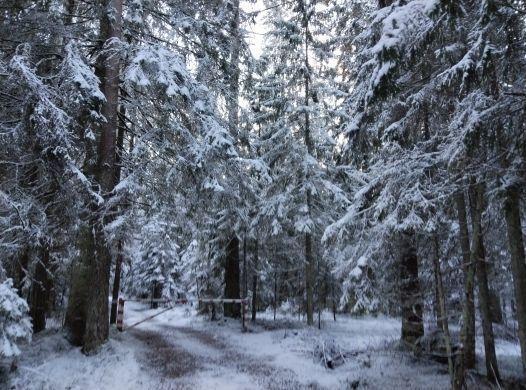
(168, 359)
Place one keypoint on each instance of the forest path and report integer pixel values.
(183, 357)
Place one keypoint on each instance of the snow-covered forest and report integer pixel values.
(350, 172)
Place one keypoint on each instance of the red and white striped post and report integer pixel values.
(243, 312)
(120, 315)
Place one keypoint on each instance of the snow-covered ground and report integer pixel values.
(179, 350)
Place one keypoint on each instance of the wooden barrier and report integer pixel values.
(183, 301)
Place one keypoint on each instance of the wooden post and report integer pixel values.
(243, 311)
(120, 315)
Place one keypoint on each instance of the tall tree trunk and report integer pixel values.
(309, 258)
(232, 266)
(478, 256)
(87, 319)
(232, 289)
(468, 267)
(518, 262)
(443, 317)
(97, 314)
(255, 280)
(39, 291)
(410, 296)
(119, 258)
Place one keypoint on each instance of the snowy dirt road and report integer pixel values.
(187, 358)
(189, 352)
(180, 350)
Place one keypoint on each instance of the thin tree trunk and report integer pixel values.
(309, 276)
(255, 280)
(318, 292)
(275, 292)
(309, 260)
(233, 102)
(245, 278)
(116, 283)
(411, 299)
(518, 262)
(333, 300)
(478, 256)
(436, 302)
(468, 267)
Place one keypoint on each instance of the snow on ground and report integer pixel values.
(51, 363)
(179, 350)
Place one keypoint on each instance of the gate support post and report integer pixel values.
(120, 315)
(243, 311)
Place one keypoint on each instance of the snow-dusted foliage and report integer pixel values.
(416, 120)
(15, 324)
(306, 155)
(155, 267)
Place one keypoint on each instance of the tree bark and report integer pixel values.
(75, 320)
(232, 289)
(87, 319)
(410, 296)
(478, 257)
(468, 267)
(518, 262)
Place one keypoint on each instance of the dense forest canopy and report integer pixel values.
(357, 156)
